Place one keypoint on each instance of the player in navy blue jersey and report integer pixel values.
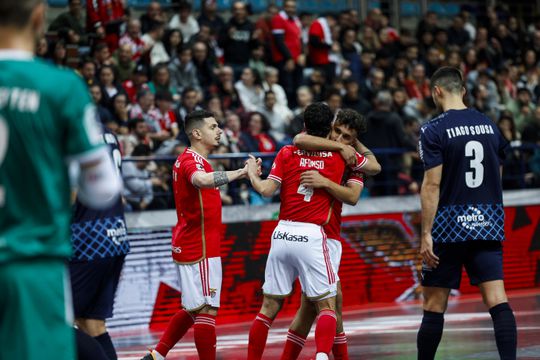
(462, 213)
(99, 248)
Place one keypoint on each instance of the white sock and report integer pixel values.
(321, 356)
(157, 355)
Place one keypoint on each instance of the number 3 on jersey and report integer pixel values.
(474, 178)
(3, 150)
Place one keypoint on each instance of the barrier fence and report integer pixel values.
(379, 264)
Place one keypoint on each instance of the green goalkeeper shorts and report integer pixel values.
(36, 319)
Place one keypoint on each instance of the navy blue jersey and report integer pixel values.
(471, 149)
(100, 233)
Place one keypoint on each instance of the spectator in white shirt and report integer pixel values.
(278, 116)
(271, 78)
(184, 21)
(249, 90)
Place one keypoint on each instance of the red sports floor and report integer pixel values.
(377, 332)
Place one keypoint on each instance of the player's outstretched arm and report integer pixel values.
(217, 178)
(266, 187)
(348, 194)
(372, 166)
(315, 143)
(429, 197)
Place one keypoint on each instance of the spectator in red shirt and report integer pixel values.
(107, 14)
(320, 45)
(417, 85)
(264, 24)
(257, 138)
(132, 37)
(287, 49)
(166, 116)
(137, 83)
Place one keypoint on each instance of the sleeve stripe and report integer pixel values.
(361, 165)
(275, 178)
(356, 181)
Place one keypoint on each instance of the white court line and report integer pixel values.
(380, 325)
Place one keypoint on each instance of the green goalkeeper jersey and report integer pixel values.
(46, 118)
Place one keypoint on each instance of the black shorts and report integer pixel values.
(482, 260)
(94, 284)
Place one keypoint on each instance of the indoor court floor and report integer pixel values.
(376, 332)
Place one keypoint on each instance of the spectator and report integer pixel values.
(352, 98)
(138, 134)
(369, 40)
(153, 14)
(132, 38)
(417, 85)
(434, 60)
(403, 106)
(334, 100)
(161, 81)
(225, 88)
(137, 83)
(152, 37)
(140, 184)
(373, 84)
(168, 49)
(145, 109)
(257, 61)
(106, 16)
(233, 133)
(304, 98)
(257, 138)
(512, 165)
(271, 77)
(70, 23)
(351, 50)
(203, 65)
(120, 114)
(214, 106)
(209, 17)
(88, 71)
(57, 53)
(184, 21)
(278, 116)
(183, 71)
(321, 44)
(97, 96)
(42, 47)
(385, 130)
(509, 44)
(522, 108)
(531, 131)
(222, 165)
(427, 25)
(287, 49)
(457, 35)
(109, 85)
(238, 39)
(249, 90)
(123, 63)
(166, 116)
(264, 24)
(189, 103)
(102, 55)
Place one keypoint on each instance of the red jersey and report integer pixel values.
(299, 203)
(291, 28)
(197, 235)
(320, 29)
(333, 228)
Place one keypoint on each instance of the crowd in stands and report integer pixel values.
(257, 72)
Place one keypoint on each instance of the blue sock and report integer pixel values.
(429, 335)
(106, 343)
(88, 348)
(504, 324)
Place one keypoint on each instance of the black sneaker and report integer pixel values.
(148, 357)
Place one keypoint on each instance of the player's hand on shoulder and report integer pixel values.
(426, 251)
(313, 179)
(349, 155)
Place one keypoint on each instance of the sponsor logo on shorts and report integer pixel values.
(472, 219)
(278, 235)
(213, 293)
(177, 249)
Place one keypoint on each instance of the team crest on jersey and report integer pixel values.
(177, 249)
(213, 292)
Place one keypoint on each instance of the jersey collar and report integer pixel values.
(15, 54)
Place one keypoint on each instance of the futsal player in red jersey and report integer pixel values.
(196, 237)
(299, 248)
(346, 128)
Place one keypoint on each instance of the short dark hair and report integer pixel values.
(187, 90)
(195, 118)
(141, 150)
(352, 119)
(132, 124)
(448, 78)
(318, 119)
(17, 13)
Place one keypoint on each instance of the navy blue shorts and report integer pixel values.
(94, 284)
(482, 260)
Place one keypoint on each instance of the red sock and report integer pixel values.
(340, 347)
(177, 328)
(205, 336)
(257, 336)
(293, 346)
(325, 331)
